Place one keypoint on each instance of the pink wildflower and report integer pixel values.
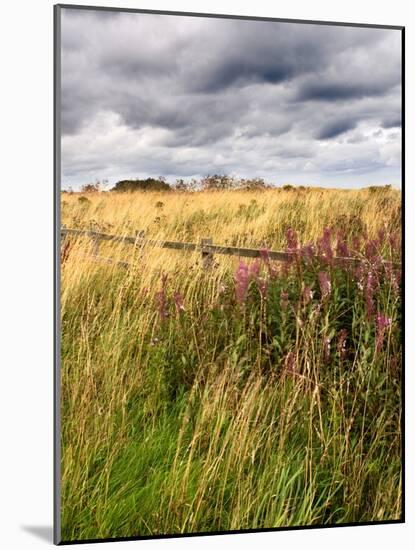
(254, 269)
(371, 250)
(369, 291)
(394, 241)
(381, 235)
(359, 276)
(342, 249)
(292, 242)
(356, 244)
(307, 252)
(266, 259)
(241, 282)
(324, 245)
(244, 275)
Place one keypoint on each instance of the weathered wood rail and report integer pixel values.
(205, 247)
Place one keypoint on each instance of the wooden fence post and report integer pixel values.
(139, 237)
(207, 255)
(64, 245)
(95, 245)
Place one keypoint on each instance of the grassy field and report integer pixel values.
(235, 395)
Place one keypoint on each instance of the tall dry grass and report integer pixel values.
(184, 410)
(235, 217)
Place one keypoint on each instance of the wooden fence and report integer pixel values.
(206, 247)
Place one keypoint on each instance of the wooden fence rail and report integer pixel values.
(206, 247)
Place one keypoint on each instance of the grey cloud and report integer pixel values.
(354, 166)
(392, 121)
(338, 91)
(335, 128)
(254, 98)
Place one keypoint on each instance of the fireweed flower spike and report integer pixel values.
(241, 282)
(307, 253)
(324, 245)
(381, 236)
(292, 242)
(245, 274)
(356, 245)
(371, 250)
(254, 269)
(266, 259)
(255, 274)
(394, 242)
(342, 250)
(369, 291)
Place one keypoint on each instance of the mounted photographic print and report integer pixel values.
(229, 318)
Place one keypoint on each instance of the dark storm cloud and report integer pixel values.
(339, 91)
(183, 96)
(240, 73)
(392, 121)
(335, 128)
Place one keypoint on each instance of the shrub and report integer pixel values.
(218, 183)
(148, 184)
(94, 187)
(376, 189)
(84, 200)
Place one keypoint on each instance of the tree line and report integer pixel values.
(207, 183)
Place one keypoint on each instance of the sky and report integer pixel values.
(185, 97)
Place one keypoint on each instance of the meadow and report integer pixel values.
(232, 394)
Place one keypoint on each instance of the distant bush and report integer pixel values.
(253, 184)
(84, 200)
(94, 187)
(288, 187)
(148, 184)
(218, 183)
(90, 188)
(376, 189)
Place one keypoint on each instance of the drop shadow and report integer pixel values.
(43, 532)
